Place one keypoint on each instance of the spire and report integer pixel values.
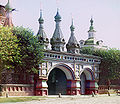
(72, 27)
(41, 35)
(91, 21)
(72, 45)
(72, 39)
(58, 32)
(91, 29)
(57, 40)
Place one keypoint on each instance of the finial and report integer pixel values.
(57, 9)
(91, 21)
(40, 13)
(58, 12)
(91, 25)
(57, 3)
(41, 20)
(40, 4)
(72, 21)
(57, 17)
(72, 27)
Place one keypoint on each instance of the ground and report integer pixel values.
(75, 100)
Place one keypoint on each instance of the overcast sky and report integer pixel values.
(105, 13)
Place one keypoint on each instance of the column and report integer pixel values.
(73, 87)
(41, 87)
(91, 86)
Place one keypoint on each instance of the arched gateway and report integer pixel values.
(59, 78)
(66, 78)
(64, 71)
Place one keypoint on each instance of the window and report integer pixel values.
(50, 55)
(58, 56)
(68, 58)
(55, 56)
(44, 54)
(76, 51)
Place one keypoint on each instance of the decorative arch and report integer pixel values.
(89, 74)
(66, 69)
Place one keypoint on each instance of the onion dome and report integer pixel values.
(57, 17)
(41, 20)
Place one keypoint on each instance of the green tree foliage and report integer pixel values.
(9, 51)
(31, 51)
(110, 63)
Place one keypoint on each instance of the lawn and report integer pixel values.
(21, 99)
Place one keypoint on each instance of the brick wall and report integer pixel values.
(17, 89)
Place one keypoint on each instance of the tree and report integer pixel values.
(9, 51)
(110, 63)
(31, 51)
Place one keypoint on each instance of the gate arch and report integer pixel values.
(89, 73)
(66, 69)
(58, 77)
(87, 81)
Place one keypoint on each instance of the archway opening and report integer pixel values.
(87, 81)
(57, 82)
(83, 83)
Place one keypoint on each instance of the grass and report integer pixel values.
(21, 99)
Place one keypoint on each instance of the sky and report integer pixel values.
(105, 13)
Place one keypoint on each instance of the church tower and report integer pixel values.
(72, 45)
(91, 35)
(9, 9)
(92, 41)
(57, 41)
(41, 35)
(91, 32)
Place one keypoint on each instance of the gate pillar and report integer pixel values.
(91, 86)
(41, 87)
(73, 87)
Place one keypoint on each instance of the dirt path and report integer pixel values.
(76, 100)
